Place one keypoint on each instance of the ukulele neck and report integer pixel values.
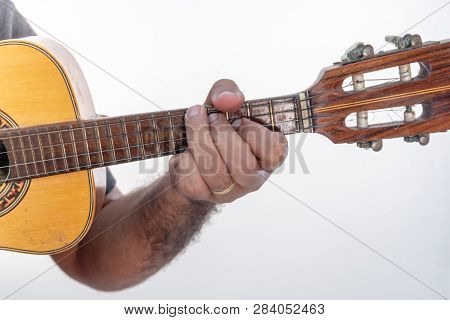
(73, 146)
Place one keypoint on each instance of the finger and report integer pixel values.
(225, 96)
(204, 152)
(186, 177)
(269, 147)
(237, 154)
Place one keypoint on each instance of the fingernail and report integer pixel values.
(213, 117)
(236, 124)
(224, 93)
(193, 111)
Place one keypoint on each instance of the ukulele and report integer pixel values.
(54, 148)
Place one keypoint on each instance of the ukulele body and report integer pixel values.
(41, 83)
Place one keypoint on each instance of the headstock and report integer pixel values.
(430, 88)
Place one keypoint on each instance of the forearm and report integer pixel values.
(136, 235)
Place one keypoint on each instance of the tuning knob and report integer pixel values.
(358, 51)
(376, 145)
(406, 41)
(422, 139)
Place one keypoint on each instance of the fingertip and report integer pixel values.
(195, 113)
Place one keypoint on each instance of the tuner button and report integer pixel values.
(355, 52)
(424, 139)
(402, 44)
(416, 40)
(377, 145)
(374, 145)
(367, 51)
(406, 41)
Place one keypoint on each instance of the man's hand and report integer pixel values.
(224, 162)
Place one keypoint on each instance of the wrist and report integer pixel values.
(179, 198)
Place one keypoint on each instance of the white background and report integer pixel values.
(266, 245)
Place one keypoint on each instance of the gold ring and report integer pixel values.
(226, 191)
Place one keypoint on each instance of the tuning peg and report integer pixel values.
(406, 41)
(422, 139)
(357, 51)
(416, 40)
(376, 145)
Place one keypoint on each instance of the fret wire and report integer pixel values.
(99, 144)
(156, 129)
(182, 115)
(271, 114)
(246, 105)
(111, 141)
(86, 144)
(13, 152)
(63, 148)
(155, 126)
(180, 126)
(141, 141)
(128, 121)
(74, 145)
(124, 130)
(51, 148)
(166, 153)
(32, 150)
(42, 151)
(171, 131)
(150, 155)
(24, 156)
(296, 110)
(107, 162)
(112, 162)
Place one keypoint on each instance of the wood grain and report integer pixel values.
(331, 104)
(56, 211)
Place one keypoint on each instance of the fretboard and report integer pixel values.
(80, 145)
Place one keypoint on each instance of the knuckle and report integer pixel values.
(280, 148)
(173, 165)
(251, 185)
(249, 165)
(220, 181)
(173, 160)
(185, 166)
(254, 187)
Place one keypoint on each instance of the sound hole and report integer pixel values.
(4, 163)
